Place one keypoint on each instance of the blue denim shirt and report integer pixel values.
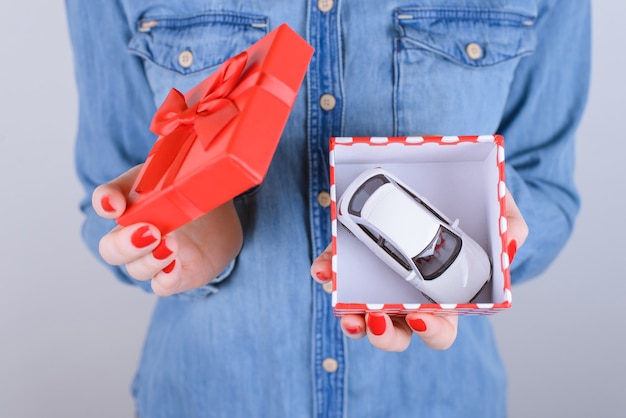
(253, 342)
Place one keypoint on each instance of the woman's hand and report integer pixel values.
(393, 333)
(184, 259)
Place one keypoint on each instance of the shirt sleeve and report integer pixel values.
(543, 111)
(116, 106)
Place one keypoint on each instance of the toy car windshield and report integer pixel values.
(364, 192)
(438, 255)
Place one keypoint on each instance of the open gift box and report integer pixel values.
(463, 177)
(217, 141)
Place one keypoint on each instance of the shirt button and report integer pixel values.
(330, 365)
(328, 287)
(473, 51)
(323, 198)
(185, 59)
(327, 101)
(325, 5)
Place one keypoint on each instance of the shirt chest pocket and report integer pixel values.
(180, 52)
(454, 67)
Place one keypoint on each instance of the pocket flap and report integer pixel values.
(192, 44)
(468, 36)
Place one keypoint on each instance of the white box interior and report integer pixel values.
(461, 180)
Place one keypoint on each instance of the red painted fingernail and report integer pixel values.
(376, 323)
(321, 276)
(417, 324)
(511, 250)
(352, 329)
(169, 267)
(106, 204)
(161, 252)
(142, 237)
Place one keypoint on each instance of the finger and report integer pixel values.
(169, 280)
(517, 229)
(123, 245)
(321, 269)
(353, 326)
(149, 265)
(386, 333)
(437, 332)
(109, 199)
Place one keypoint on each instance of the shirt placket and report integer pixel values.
(324, 109)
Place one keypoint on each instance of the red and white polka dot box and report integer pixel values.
(418, 223)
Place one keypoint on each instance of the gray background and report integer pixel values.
(70, 334)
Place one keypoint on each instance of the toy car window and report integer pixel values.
(364, 192)
(369, 232)
(439, 254)
(395, 254)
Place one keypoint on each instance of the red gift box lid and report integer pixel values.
(218, 140)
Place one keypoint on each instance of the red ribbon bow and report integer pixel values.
(177, 123)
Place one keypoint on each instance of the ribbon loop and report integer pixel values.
(175, 111)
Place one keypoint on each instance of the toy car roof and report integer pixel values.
(389, 207)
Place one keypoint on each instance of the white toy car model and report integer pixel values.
(416, 240)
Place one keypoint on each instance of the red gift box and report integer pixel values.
(464, 176)
(217, 141)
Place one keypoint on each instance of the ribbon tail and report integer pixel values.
(181, 154)
(161, 159)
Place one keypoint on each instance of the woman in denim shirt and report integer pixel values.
(245, 332)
